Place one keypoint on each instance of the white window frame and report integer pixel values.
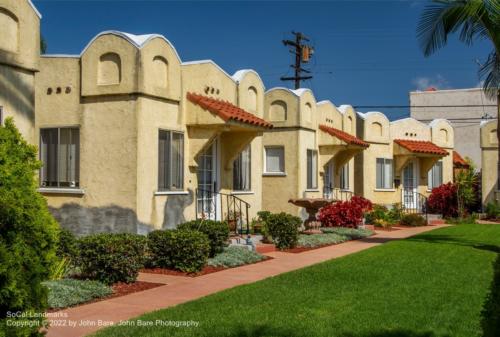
(168, 183)
(76, 162)
(312, 170)
(344, 179)
(430, 175)
(389, 185)
(275, 173)
(237, 165)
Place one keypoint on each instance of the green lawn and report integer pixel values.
(433, 284)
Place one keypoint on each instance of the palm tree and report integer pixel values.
(476, 20)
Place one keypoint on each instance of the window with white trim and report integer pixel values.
(384, 172)
(242, 170)
(312, 169)
(344, 177)
(60, 156)
(275, 159)
(435, 175)
(170, 161)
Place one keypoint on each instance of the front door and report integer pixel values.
(207, 196)
(410, 185)
(328, 180)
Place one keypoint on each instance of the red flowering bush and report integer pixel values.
(344, 213)
(443, 200)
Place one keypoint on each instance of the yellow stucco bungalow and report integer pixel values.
(489, 160)
(309, 152)
(405, 160)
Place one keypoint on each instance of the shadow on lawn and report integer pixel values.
(395, 333)
(490, 321)
(454, 240)
(266, 330)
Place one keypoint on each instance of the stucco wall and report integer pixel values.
(489, 158)
(19, 57)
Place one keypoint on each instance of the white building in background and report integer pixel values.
(464, 108)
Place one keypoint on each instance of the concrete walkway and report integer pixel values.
(88, 318)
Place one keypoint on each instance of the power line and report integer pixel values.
(422, 106)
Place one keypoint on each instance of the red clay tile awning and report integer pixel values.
(458, 161)
(349, 139)
(227, 111)
(421, 146)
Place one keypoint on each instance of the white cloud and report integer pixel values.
(438, 82)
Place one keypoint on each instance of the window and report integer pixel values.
(275, 159)
(312, 169)
(1, 115)
(170, 161)
(241, 171)
(384, 173)
(435, 175)
(344, 177)
(60, 155)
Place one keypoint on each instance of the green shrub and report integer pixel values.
(262, 218)
(216, 231)
(379, 212)
(234, 256)
(67, 292)
(263, 215)
(492, 210)
(284, 229)
(28, 233)
(68, 245)
(111, 257)
(413, 220)
(469, 219)
(185, 250)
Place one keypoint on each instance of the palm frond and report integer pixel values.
(490, 71)
(474, 19)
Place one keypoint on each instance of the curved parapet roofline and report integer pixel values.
(366, 115)
(208, 61)
(296, 93)
(487, 122)
(434, 122)
(240, 74)
(410, 118)
(34, 8)
(138, 41)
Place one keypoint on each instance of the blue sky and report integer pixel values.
(366, 51)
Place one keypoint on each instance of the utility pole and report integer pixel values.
(303, 54)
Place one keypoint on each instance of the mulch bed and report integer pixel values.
(119, 289)
(122, 289)
(206, 270)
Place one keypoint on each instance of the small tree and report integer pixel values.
(465, 181)
(28, 233)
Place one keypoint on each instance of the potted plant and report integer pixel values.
(233, 218)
